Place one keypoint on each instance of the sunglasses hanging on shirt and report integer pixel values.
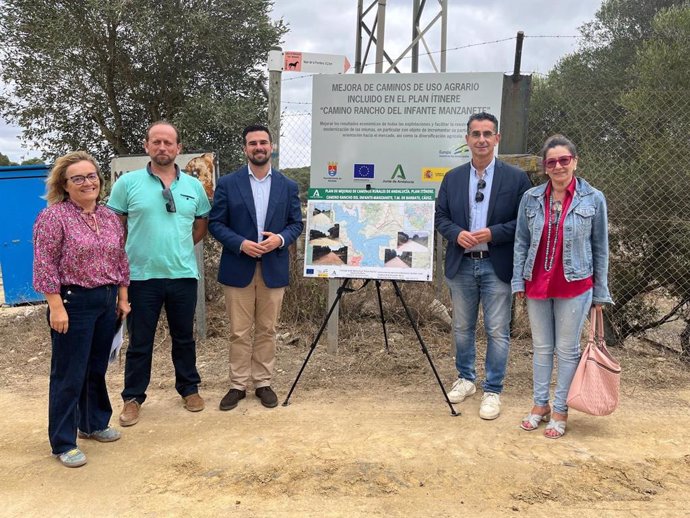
(169, 200)
(479, 196)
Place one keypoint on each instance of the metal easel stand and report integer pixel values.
(345, 289)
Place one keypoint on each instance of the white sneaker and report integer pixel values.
(490, 407)
(461, 389)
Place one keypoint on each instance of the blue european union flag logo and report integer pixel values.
(364, 170)
(310, 271)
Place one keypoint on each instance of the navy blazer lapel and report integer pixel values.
(246, 192)
(277, 186)
(464, 193)
(495, 188)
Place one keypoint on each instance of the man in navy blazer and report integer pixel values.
(476, 211)
(256, 215)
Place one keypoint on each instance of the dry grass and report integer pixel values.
(361, 357)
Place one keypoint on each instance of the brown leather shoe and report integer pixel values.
(130, 413)
(193, 402)
(267, 396)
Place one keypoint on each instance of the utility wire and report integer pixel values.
(470, 45)
(461, 47)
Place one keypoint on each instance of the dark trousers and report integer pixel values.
(178, 296)
(78, 395)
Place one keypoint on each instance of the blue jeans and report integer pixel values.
(556, 327)
(78, 395)
(148, 298)
(476, 282)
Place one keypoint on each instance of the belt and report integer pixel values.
(477, 254)
(76, 287)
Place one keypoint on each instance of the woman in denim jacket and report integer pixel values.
(560, 265)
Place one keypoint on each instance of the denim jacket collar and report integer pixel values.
(582, 188)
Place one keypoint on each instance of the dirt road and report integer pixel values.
(372, 450)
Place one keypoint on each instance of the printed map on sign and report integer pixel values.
(377, 234)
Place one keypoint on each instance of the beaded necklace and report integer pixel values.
(555, 209)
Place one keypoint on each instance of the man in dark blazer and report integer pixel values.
(256, 215)
(476, 212)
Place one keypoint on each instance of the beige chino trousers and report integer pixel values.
(254, 306)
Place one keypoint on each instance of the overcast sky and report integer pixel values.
(328, 26)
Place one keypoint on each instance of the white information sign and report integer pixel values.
(293, 61)
(395, 130)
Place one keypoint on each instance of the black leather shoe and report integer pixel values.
(267, 396)
(231, 399)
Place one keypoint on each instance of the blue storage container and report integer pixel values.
(21, 191)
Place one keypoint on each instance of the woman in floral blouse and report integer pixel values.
(81, 267)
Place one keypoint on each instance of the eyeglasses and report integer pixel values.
(485, 134)
(479, 196)
(169, 200)
(561, 160)
(79, 179)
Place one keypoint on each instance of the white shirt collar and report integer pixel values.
(251, 173)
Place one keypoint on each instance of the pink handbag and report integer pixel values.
(595, 388)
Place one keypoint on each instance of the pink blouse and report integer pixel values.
(87, 250)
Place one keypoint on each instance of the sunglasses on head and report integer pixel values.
(561, 160)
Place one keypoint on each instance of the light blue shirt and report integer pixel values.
(261, 191)
(479, 211)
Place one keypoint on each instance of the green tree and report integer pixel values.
(87, 74)
(4, 160)
(33, 161)
(301, 176)
(658, 119)
(586, 85)
(623, 99)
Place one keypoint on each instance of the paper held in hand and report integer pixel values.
(118, 339)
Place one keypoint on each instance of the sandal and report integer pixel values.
(531, 421)
(556, 427)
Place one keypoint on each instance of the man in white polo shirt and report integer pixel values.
(165, 213)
